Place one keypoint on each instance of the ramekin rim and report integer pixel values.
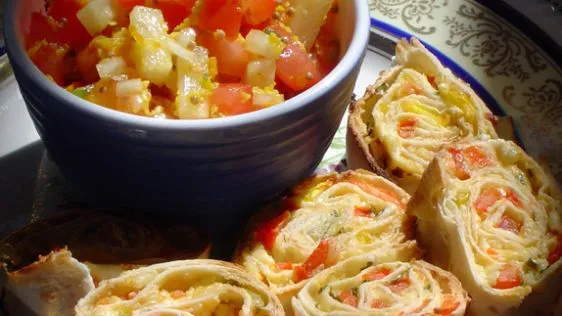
(354, 55)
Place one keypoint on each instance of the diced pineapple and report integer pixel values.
(261, 72)
(152, 62)
(110, 67)
(119, 44)
(97, 15)
(262, 44)
(129, 87)
(147, 24)
(193, 90)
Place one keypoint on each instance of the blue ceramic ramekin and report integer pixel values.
(195, 166)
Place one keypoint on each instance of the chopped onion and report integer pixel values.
(260, 73)
(260, 43)
(96, 15)
(147, 24)
(110, 67)
(128, 87)
(153, 63)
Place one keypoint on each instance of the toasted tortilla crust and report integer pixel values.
(105, 238)
(358, 139)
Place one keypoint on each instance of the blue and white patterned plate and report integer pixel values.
(510, 72)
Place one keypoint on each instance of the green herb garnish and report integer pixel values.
(82, 92)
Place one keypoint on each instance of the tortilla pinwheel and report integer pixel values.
(409, 113)
(327, 219)
(489, 213)
(364, 285)
(182, 288)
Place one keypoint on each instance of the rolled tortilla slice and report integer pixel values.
(488, 213)
(413, 109)
(188, 287)
(102, 246)
(365, 285)
(327, 219)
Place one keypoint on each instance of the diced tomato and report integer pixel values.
(448, 305)
(476, 157)
(556, 253)
(257, 11)
(379, 304)
(348, 298)
(473, 157)
(461, 170)
(232, 57)
(513, 197)
(491, 251)
(175, 11)
(50, 59)
(221, 15)
(510, 224)
(233, 98)
(363, 211)
(376, 274)
(326, 49)
(267, 233)
(399, 285)
(508, 278)
(41, 28)
(128, 5)
(379, 192)
(489, 196)
(407, 128)
(317, 258)
(431, 80)
(296, 69)
(284, 266)
(70, 30)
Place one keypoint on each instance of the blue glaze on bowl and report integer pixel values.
(216, 165)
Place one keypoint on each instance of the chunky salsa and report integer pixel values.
(185, 59)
